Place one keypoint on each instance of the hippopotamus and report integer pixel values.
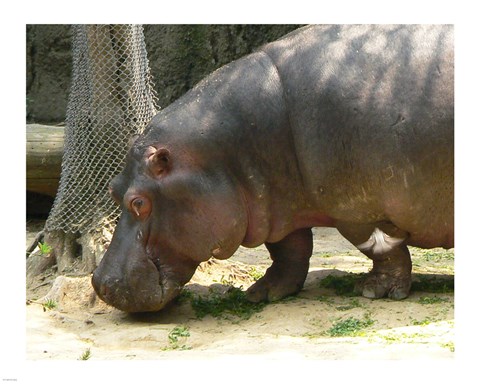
(350, 127)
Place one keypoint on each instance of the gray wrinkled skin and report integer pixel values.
(342, 126)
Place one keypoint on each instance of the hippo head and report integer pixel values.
(176, 212)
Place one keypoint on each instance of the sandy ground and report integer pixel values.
(419, 327)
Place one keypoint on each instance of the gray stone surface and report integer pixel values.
(179, 55)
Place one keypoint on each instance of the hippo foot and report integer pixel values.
(272, 287)
(378, 285)
(289, 269)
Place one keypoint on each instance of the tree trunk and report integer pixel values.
(44, 158)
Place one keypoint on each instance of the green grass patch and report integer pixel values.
(354, 303)
(431, 284)
(185, 296)
(342, 285)
(228, 305)
(44, 248)
(324, 255)
(431, 300)
(435, 255)
(255, 274)
(349, 327)
(397, 338)
(49, 304)
(390, 339)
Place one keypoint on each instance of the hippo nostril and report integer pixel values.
(105, 287)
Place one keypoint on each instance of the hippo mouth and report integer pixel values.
(158, 296)
(168, 291)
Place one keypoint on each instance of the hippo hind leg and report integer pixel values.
(289, 269)
(384, 243)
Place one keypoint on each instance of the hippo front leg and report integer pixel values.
(384, 243)
(289, 269)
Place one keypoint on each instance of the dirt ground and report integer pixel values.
(302, 327)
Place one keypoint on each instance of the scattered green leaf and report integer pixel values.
(233, 302)
(423, 322)
(450, 346)
(349, 327)
(85, 355)
(177, 337)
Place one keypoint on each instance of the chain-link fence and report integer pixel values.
(111, 99)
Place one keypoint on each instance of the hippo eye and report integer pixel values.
(137, 205)
(140, 207)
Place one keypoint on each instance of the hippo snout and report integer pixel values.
(143, 294)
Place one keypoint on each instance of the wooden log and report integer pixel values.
(44, 158)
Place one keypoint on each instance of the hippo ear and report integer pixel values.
(159, 162)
